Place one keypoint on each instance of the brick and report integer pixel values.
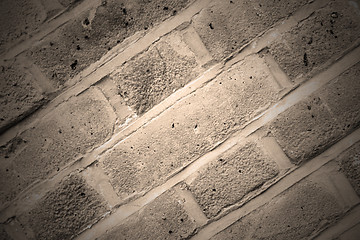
(350, 166)
(351, 234)
(17, 20)
(19, 95)
(325, 34)
(226, 181)
(342, 97)
(228, 25)
(295, 214)
(164, 218)
(65, 211)
(190, 128)
(147, 79)
(69, 3)
(309, 127)
(70, 130)
(84, 40)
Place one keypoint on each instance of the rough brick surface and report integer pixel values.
(19, 95)
(350, 165)
(190, 128)
(147, 79)
(231, 177)
(164, 218)
(309, 127)
(326, 33)
(343, 99)
(227, 25)
(295, 214)
(84, 40)
(17, 19)
(65, 211)
(74, 127)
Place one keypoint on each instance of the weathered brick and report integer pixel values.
(65, 211)
(231, 177)
(17, 19)
(147, 79)
(309, 127)
(227, 25)
(295, 214)
(306, 129)
(19, 95)
(343, 99)
(350, 165)
(69, 3)
(327, 33)
(71, 129)
(190, 128)
(84, 40)
(164, 218)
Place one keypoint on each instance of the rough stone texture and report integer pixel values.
(19, 97)
(3, 234)
(325, 34)
(350, 165)
(190, 128)
(227, 25)
(65, 211)
(295, 214)
(311, 126)
(18, 18)
(231, 177)
(306, 129)
(74, 127)
(69, 3)
(343, 99)
(147, 79)
(84, 40)
(164, 218)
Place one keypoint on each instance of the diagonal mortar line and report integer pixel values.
(98, 70)
(296, 96)
(351, 219)
(51, 26)
(284, 184)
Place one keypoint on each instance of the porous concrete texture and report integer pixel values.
(164, 218)
(227, 180)
(327, 33)
(349, 162)
(65, 211)
(295, 214)
(189, 119)
(89, 36)
(190, 128)
(149, 78)
(58, 139)
(309, 127)
(226, 26)
(19, 95)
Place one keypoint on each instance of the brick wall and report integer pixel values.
(180, 119)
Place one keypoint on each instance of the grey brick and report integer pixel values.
(19, 95)
(295, 214)
(83, 41)
(350, 165)
(147, 79)
(65, 211)
(227, 25)
(190, 128)
(231, 177)
(311, 126)
(17, 20)
(164, 218)
(70, 130)
(325, 34)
